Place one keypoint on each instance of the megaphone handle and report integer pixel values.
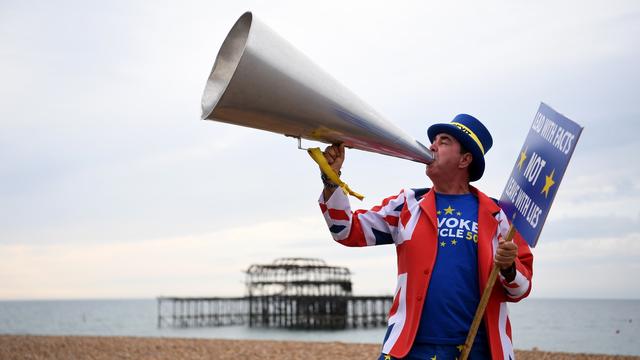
(318, 157)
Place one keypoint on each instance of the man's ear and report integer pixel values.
(465, 160)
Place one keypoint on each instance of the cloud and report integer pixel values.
(202, 264)
(614, 249)
(104, 156)
(590, 227)
(602, 267)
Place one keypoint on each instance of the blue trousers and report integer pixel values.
(479, 351)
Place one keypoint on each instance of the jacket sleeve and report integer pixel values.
(377, 226)
(520, 287)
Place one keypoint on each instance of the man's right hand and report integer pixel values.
(335, 156)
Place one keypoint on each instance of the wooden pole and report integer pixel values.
(484, 300)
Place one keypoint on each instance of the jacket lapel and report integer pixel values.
(487, 227)
(428, 206)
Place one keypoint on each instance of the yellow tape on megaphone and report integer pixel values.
(318, 157)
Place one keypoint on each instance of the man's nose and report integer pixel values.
(433, 147)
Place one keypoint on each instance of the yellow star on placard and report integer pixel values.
(387, 357)
(438, 212)
(459, 213)
(434, 357)
(449, 210)
(460, 348)
(454, 241)
(548, 183)
(523, 157)
(443, 244)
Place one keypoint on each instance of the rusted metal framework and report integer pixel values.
(296, 293)
(186, 312)
(298, 277)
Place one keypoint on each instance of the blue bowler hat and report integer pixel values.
(474, 136)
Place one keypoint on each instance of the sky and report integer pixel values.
(112, 187)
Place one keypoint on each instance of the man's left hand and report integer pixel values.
(506, 254)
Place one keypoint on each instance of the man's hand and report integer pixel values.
(335, 156)
(506, 254)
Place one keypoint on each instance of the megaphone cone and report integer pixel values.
(260, 81)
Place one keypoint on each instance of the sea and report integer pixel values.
(566, 325)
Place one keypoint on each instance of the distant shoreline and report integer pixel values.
(154, 298)
(104, 347)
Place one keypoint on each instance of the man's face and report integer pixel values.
(448, 157)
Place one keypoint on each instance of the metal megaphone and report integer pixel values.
(261, 81)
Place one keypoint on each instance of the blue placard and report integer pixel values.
(538, 171)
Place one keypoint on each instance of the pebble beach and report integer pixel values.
(97, 348)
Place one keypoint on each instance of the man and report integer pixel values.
(447, 239)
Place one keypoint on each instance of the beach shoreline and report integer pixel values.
(107, 347)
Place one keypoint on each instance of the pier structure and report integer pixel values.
(295, 293)
(185, 312)
(298, 293)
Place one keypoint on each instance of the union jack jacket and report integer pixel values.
(409, 221)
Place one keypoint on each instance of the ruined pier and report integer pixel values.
(295, 293)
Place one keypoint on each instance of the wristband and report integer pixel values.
(327, 182)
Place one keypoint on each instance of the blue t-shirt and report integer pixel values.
(454, 291)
